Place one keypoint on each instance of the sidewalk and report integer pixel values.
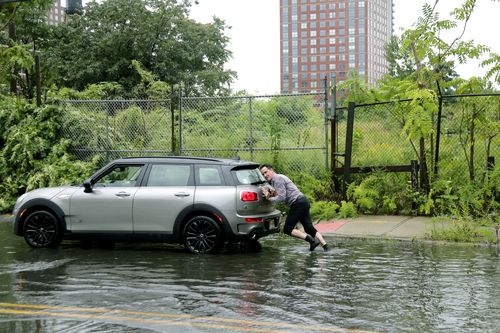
(392, 227)
(6, 218)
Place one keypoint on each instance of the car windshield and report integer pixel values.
(249, 176)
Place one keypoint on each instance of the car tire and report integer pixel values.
(202, 235)
(42, 229)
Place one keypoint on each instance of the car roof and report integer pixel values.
(184, 159)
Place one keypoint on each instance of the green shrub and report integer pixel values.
(32, 154)
(324, 210)
(381, 193)
(347, 209)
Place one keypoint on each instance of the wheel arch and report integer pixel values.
(38, 204)
(200, 210)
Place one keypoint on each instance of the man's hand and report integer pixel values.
(265, 193)
(268, 191)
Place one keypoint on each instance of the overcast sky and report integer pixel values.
(255, 36)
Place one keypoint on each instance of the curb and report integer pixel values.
(4, 218)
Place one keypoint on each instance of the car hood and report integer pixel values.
(46, 192)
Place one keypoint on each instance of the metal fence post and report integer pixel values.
(348, 147)
(251, 127)
(334, 132)
(180, 123)
(326, 121)
(438, 135)
(108, 143)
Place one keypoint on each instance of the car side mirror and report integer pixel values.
(87, 185)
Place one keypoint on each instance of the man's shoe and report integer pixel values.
(326, 248)
(314, 245)
(313, 242)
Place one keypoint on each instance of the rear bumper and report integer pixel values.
(271, 223)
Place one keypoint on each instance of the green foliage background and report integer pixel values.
(32, 153)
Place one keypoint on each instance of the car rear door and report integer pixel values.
(167, 190)
(250, 198)
(212, 191)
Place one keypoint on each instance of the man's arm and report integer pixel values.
(280, 189)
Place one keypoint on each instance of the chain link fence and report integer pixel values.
(467, 136)
(285, 130)
(470, 134)
(117, 128)
(289, 131)
(378, 138)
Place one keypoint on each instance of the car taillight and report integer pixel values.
(254, 219)
(249, 196)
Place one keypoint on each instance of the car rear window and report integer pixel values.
(169, 175)
(248, 176)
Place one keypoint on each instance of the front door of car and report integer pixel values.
(108, 207)
(168, 190)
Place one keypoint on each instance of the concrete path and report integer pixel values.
(398, 227)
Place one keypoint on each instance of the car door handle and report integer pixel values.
(182, 194)
(122, 194)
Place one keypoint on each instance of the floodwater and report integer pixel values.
(359, 286)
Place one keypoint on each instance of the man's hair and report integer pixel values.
(269, 166)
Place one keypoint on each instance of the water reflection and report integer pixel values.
(366, 285)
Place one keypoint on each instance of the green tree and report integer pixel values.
(102, 44)
(22, 27)
(433, 60)
(476, 118)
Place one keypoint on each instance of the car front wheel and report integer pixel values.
(202, 235)
(41, 229)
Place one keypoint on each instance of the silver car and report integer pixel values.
(198, 202)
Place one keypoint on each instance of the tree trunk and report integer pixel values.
(424, 176)
(471, 152)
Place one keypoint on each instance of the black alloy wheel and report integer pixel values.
(202, 235)
(41, 229)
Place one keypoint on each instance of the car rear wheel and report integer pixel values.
(202, 235)
(42, 229)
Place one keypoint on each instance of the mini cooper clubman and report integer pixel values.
(198, 202)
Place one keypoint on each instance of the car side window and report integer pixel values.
(169, 175)
(208, 176)
(120, 176)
